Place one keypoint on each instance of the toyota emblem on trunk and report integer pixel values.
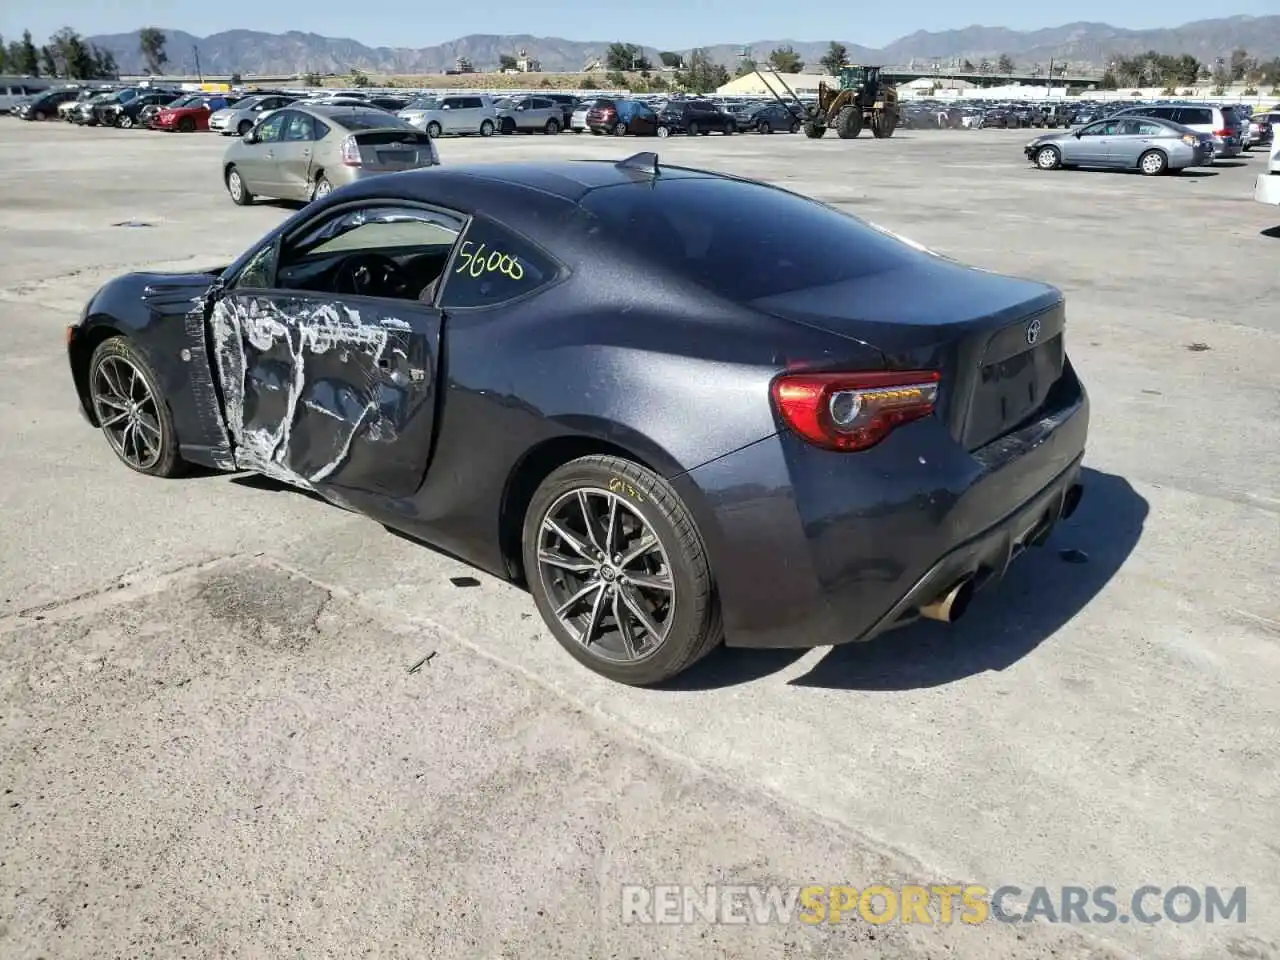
(1033, 331)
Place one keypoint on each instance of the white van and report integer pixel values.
(458, 114)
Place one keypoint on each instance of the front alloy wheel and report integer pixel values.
(130, 409)
(618, 570)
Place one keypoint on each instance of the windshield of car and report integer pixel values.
(742, 241)
(369, 120)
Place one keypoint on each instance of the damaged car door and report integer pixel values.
(326, 349)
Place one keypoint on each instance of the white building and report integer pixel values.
(751, 85)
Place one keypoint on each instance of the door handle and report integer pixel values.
(306, 153)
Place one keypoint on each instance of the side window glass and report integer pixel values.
(319, 128)
(378, 251)
(270, 129)
(298, 128)
(493, 266)
(1150, 130)
(259, 273)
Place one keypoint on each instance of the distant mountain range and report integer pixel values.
(252, 52)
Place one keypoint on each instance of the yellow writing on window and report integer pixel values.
(478, 261)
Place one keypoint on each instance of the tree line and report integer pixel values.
(69, 56)
(1158, 69)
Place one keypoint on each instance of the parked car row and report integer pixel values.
(1155, 138)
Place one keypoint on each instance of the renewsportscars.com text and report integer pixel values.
(936, 904)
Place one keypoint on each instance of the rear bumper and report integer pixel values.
(811, 548)
(1267, 188)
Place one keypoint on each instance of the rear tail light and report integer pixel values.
(351, 152)
(1222, 133)
(853, 411)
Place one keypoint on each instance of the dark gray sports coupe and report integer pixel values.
(682, 407)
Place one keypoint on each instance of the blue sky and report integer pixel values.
(659, 23)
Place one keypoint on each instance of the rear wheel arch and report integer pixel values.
(535, 466)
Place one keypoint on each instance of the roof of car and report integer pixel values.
(566, 179)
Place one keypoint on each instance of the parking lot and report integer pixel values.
(236, 720)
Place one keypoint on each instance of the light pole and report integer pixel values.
(199, 74)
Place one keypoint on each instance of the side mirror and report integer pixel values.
(1079, 133)
(521, 107)
(250, 137)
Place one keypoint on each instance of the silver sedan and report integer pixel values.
(1146, 144)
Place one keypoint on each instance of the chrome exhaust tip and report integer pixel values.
(1071, 501)
(952, 605)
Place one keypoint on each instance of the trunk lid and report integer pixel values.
(998, 341)
(396, 149)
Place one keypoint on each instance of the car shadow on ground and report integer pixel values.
(1041, 592)
(1231, 163)
(1271, 232)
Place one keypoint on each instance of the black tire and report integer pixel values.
(508, 126)
(693, 129)
(244, 127)
(168, 463)
(795, 126)
(486, 128)
(882, 125)
(619, 129)
(1153, 163)
(186, 125)
(764, 127)
(695, 625)
(552, 127)
(730, 129)
(236, 188)
(1048, 158)
(849, 123)
(125, 122)
(37, 115)
(434, 130)
(321, 189)
(814, 131)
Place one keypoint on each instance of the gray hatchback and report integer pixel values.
(302, 153)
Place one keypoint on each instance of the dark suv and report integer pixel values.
(696, 117)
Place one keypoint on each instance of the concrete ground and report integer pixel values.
(213, 741)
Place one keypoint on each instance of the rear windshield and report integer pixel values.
(741, 241)
(368, 120)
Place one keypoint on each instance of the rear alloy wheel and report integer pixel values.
(434, 130)
(1048, 158)
(1153, 163)
(619, 572)
(552, 127)
(486, 128)
(321, 190)
(619, 129)
(131, 410)
(764, 127)
(186, 125)
(664, 131)
(240, 194)
(38, 115)
(244, 127)
(125, 122)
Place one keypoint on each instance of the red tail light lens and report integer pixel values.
(1222, 133)
(351, 152)
(853, 411)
